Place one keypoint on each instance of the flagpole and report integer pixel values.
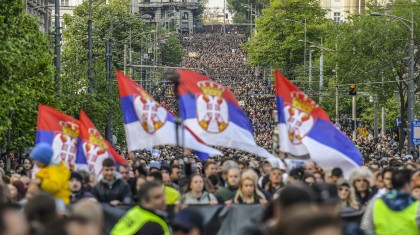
(174, 77)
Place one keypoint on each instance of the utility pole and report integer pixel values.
(375, 127)
(304, 52)
(310, 66)
(90, 45)
(108, 56)
(125, 58)
(336, 95)
(57, 48)
(383, 131)
(354, 117)
(410, 95)
(321, 72)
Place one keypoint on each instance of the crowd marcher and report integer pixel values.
(111, 189)
(197, 194)
(225, 193)
(77, 190)
(397, 212)
(248, 191)
(147, 218)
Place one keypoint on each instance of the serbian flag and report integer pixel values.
(306, 130)
(147, 123)
(61, 132)
(93, 148)
(213, 114)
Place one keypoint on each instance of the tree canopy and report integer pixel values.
(26, 75)
(278, 42)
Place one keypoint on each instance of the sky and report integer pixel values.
(215, 3)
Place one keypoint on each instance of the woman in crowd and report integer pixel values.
(361, 180)
(196, 192)
(346, 195)
(27, 167)
(248, 192)
(16, 191)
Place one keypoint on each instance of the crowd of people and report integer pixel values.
(163, 186)
(162, 194)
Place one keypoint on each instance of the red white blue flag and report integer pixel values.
(305, 129)
(147, 123)
(61, 132)
(212, 112)
(93, 148)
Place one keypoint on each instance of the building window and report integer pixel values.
(185, 16)
(65, 3)
(337, 17)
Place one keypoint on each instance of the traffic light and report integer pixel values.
(352, 90)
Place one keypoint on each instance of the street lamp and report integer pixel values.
(410, 97)
(321, 66)
(304, 41)
(310, 66)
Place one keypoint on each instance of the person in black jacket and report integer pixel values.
(110, 189)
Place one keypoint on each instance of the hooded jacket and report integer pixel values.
(395, 212)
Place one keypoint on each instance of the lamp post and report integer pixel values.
(310, 66)
(304, 41)
(321, 66)
(410, 98)
(57, 48)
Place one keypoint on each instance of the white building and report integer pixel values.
(66, 7)
(340, 10)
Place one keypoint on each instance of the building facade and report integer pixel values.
(42, 10)
(340, 10)
(181, 15)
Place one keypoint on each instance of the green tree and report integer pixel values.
(241, 10)
(126, 32)
(172, 51)
(373, 52)
(279, 31)
(26, 75)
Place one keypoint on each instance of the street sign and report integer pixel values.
(397, 122)
(415, 131)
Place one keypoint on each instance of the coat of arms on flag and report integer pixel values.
(93, 148)
(212, 109)
(298, 116)
(59, 130)
(151, 114)
(304, 129)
